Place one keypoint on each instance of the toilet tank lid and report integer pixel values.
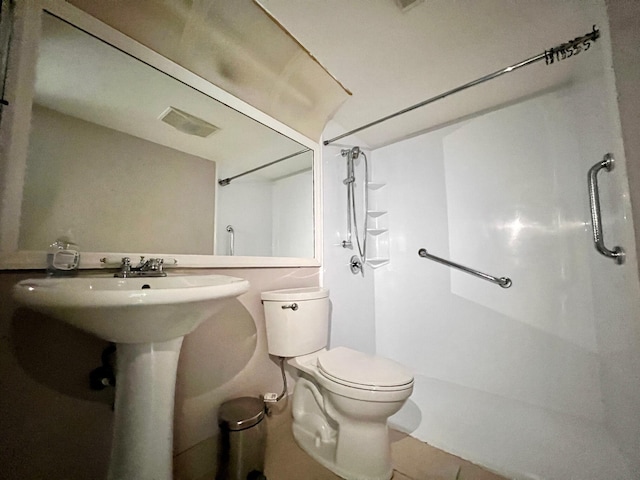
(295, 294)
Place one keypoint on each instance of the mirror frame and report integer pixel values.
(15, 129)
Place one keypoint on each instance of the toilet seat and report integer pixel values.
(358, 370)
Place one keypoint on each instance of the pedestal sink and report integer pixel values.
(147, 317)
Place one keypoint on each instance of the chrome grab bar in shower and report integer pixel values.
(504, 282)
(596, 219)
(232, 240)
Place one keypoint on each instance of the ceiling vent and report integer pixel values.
(405, 5)
(187, 123)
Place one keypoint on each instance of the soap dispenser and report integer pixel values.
(63, 258)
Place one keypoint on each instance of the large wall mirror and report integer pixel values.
(122, 157)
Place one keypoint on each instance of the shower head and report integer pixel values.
(351, 153)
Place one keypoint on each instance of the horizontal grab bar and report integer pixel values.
(504, 282)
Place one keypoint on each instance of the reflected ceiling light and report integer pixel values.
(187, 123)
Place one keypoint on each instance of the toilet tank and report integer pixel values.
(297, 320)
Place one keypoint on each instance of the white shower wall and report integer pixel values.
(538, 380)
(246, 206)
(293, 232)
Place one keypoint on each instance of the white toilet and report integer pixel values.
(343, 398)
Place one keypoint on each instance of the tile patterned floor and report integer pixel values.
(412, 459)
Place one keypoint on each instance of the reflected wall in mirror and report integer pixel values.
(124, 158)
(266, 212)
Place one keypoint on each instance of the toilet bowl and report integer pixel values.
(343, 397)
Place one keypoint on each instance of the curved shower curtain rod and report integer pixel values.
(558, 53)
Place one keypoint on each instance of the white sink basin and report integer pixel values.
(131, 310)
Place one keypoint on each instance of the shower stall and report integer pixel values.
(540, 380)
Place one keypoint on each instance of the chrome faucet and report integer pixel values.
(152, 267)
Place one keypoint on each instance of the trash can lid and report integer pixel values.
(240, 413)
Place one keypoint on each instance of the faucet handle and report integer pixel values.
(115, 261)
(155, 264)
(125, 266)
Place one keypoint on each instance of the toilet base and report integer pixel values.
(323, 454)
(354, 450)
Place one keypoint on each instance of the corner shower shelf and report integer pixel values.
(377, 262)
(378, 230)
(376, 213)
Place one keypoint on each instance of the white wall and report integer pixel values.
(293, 227)
(523, 380)
(621, 357)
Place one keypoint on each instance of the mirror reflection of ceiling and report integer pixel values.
(235, 45)
(83, 77)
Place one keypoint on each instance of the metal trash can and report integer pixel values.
(243, 435)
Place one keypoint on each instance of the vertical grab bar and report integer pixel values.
(232, 239)
(596, 219)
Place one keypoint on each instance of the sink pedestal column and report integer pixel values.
(142, 446)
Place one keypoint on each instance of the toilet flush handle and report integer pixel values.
(292, 306)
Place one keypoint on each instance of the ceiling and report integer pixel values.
(392, 59)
